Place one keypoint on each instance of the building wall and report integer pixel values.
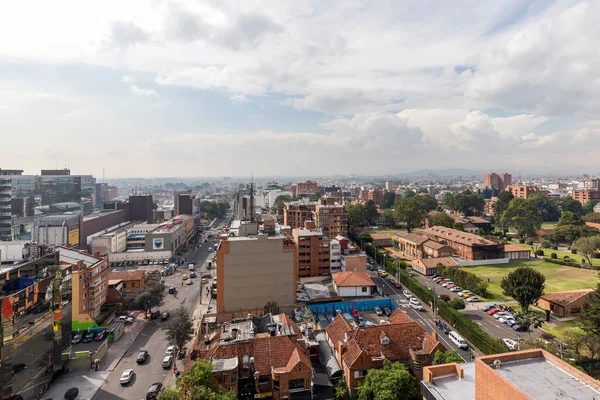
(355, 291)
(312, 255)
(572, 310)
(99, 224)
(140, 208)
(296, 214)
(354, 263)
(583, 196)
(333, 220)
(90, 288)
(254, 271)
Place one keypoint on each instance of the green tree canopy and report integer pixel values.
(387, 218)
(277, 207)
(570, 233)
(180, 328)
(525, 285)
(522, 216)
(590, 314)
(391, 382)
(467, 203)
(389, 198)
(504, 199)
(151, 296)
(447, 357)
(592, 217)
(570, 204)
(587, 246)
(528, 319)
(412, 210)
(441, 219)
(457, 303)
(547, 208)
(371, 213)
(589, 206)
(408, 193)
(356, 215)
(570, 218)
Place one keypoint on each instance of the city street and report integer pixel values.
(153, 335)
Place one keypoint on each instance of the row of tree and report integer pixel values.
(213, 209)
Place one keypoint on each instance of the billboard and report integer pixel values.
(74, 237)
(158, 244)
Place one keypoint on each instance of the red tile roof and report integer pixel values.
(510, 247)
(457, 236)
(411, 237)
(128, 275)
(567, 297)
(352, 279)
(433, 262)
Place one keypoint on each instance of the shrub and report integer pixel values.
(522, 240)
(530, 242)
(566, 258)
(546, 244)
(553, 256)
(573, 251)
(457, 303)
(596, 255)
(547, 336)
(555, 247)
(540, 252)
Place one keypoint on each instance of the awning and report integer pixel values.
(332, 367)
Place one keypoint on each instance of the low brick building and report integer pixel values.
(358, 350)
(131, 280)
(381, 240)
(565, 304)
(428, 266)
(516, 252)
(467, 246)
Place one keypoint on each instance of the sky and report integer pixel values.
(227, 88)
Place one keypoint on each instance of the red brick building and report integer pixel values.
(312, 251)
(583, 196)
(307, 188)
(467, 246)
(359, 350)
(497, 181)
(565, 304)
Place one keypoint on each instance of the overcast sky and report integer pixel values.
(174, 88)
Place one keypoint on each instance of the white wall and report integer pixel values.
(354, 291)
(465, 263)
(139, 255)
(12, 251)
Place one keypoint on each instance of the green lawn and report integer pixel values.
(561, 255)
(558, 277)
(386, 231)
(548, 225)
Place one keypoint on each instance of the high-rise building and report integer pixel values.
(295, 213)
(524, 192)
(140, 208)
(497, 181)
(376, 196)
(583, 196)
(332, 219)
(254, 270)
(6, 202)
(183, 202)
(312, 251)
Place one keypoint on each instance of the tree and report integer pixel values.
(413, 210)
(528, 319)
(365, 237)
(341, 390)
(356, 215)
(504, 199)
(408, 193)
(387, 218)
(587, 246)
(457, 303)
(180, 328)
(570, 218)
(447, 357)
(151, 296)
(277, 207)
(590, 313)
(315, 196)
(585, 345)
(525, 285)
(371, 213)
(391, 382)
(196, 384)
(570, 233)
(441, 219)
(389, 198)
(547, 208)
(570, 204)
(592, 217)
(467, 203)
(427, 202)
(589, 206)
(170, 394)
(522, 216)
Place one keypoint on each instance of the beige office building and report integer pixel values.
(251, 271)
(332, 219)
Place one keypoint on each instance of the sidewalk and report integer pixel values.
(117, 350)
(88, 382)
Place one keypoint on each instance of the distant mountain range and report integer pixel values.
(442, 173)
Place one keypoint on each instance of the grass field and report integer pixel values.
(386, 231)
(560, 254)
(548, 225)
(558, 277)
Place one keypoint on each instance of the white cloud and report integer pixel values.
(139, 92)
(129, 79)
(239, 98)
(78, 114)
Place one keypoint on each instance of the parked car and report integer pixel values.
(505, 319)
(509, 344)
(354, 312)
(77, 339)
(413, 301)
(165, 316)
(361, 322)
(511, 322)
(444, 297)
(142, 356)
(88, 337)
(126, 377)
(153, 391)
(170, 350)
(206, 276)
(494, 311)
(100, 336)
(501, 314)
(467, 295)
(443, 327)
(519, 328)
(417, 306)
(378, 311)
(388, 311)
(461, 294)
(193, 275)
(488, 307)
(456, 289)
(397, 285)
(155, 314)
(406, 294)
(450, 286)
(126, 319)
(473, 299)
(434, 276)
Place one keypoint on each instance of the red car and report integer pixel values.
(397, 284)
(442, 282)
(494, 311)
(434, 276)
(450, 286)
(354, 312)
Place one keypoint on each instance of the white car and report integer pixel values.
(406, 294)
(461, 294)
(417, 306)
(505, 319)
(126, 319)
(447, 283)
(413, 301)
(473, 299)
(509, 344)
(456, 289)
(501, 314)
(170, 350)
(126, 376)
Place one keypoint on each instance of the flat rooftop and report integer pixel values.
(309, 232)
(540, 379)
(73, 257)
(450, 387)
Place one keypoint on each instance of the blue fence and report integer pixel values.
(363, 305)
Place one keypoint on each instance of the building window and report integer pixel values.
(296, 384)
(364, 289)
(360, 374)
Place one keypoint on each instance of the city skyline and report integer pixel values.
(164, 89)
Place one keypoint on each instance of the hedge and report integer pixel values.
(465, 280)
(569, 262)
(463, 325)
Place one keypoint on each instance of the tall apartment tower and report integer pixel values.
(183, 202)
(497, 181)
(6, 202)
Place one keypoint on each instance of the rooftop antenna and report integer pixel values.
(251, 197)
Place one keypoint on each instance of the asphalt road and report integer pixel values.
(153, 336)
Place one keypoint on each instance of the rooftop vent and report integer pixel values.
(497, 364)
